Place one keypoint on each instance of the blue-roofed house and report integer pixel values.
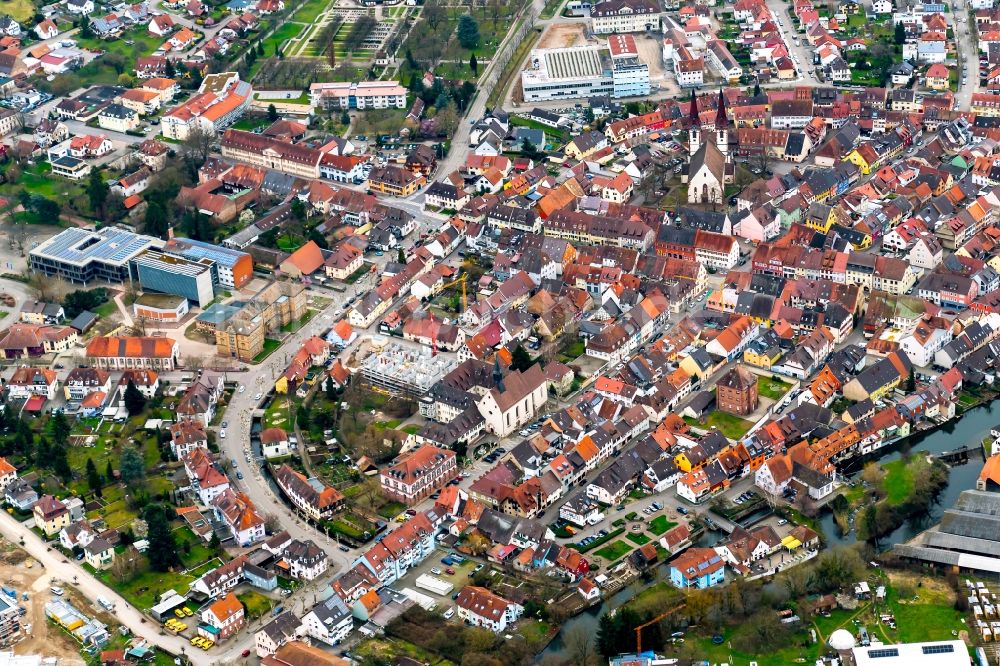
(697, 567)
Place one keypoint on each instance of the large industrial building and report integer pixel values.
(586, 71)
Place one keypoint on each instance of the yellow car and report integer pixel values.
(196, 641)
(187, 611)
(178, 612)
(170, 622)
(205, 644)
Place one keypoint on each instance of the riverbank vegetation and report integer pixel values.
(886, 495)
(742, 619)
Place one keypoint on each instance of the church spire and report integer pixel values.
(693, 115)
(721, 119)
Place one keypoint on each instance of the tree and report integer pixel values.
(580, 645)
(447, 120)
(474, 64)
(401, 256)
(468, 32)
(162, 551)
(156, 222)
(93, 478)
(756, 88)
(97, 192)
(272, 112)
(528, 149)
(109, 473)
(196, 148)
(60, 428)
(215, 544)
(59, 462)
(911, 381)
(900, 35)
(520, 359)
(125, 79)
(135, 401)
(298, 209)
(77, 301)
(133, 469)
(345, 117)
(169, 69)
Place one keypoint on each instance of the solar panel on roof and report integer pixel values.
(883, 652)
(937, 649)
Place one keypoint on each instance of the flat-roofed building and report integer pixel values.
(586, 71)
(160, 308)
(169, 274)
(233, 268)
(363, 95)
(81, 256)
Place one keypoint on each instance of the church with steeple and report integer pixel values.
(710, 167)
(719, 134)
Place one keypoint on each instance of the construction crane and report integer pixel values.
(638, 630)
(459, 280)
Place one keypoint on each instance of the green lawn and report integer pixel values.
(772, 387)
(256, 604)
(550, 9)
(276, 414)
(19, 10)
(310, 11)
(293, 326)
(192, 549)
(732, 427)
(638, 538)
(280, 36)
(660, 525)
(143, 590)
(572, 351)
(614, 550)
(270, 346)
(142, 43)
(390, 510)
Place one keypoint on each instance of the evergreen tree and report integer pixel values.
(520, 359)
(468, 32)
(59, 462)
(345, 117)
(900, 35)
(162, 546)
(132, 466)
(215, 544)
(135, 401)
(97, 192)
(474, 64)
(756, 88)
(60, 428)
(331, 390)
(401, 256)
(911, 381)
(156, 221)
(93, 478)
(169, 69)
(272, 112)
(109, 473)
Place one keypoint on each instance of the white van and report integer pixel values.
(448, 614)
(58, 591)
(105, 604)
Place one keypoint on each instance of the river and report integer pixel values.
(970, 428)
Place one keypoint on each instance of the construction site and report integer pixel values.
(36, 635)
(407, 370)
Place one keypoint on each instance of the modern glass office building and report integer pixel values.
(170, 274)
